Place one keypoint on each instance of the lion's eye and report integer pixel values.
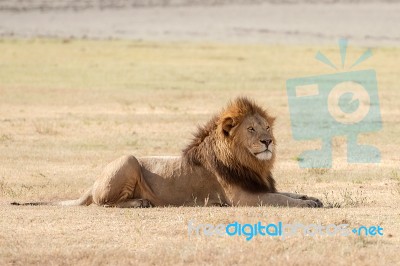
(268, 128)
(251, 129)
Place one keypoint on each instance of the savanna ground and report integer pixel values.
(69, 107)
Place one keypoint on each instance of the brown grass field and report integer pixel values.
(68, 107)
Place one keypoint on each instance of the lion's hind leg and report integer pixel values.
(121, 185)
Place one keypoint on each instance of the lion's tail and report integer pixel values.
(85, 200)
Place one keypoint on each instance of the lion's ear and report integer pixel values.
(227, 125)
(271, 120)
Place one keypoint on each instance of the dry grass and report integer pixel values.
(68, 108)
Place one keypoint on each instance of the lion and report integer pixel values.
(227, 163)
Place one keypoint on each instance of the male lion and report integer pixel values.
(228, 163)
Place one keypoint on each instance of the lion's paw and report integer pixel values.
(134, 203)
(144, 203)
(311, 203)
(319, 204)
(221, 204)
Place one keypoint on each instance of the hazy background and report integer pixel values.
(370, 22)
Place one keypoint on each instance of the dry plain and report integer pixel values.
(68, 107)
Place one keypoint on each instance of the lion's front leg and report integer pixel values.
(272, 199)
(301, 197)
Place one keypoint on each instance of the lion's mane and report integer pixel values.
(212, 149)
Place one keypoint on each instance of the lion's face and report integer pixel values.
(254, 135)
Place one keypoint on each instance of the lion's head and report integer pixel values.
(247, 129)
(237, 145)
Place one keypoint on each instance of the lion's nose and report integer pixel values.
(266, 142)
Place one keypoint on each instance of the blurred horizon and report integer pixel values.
(365, 23)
